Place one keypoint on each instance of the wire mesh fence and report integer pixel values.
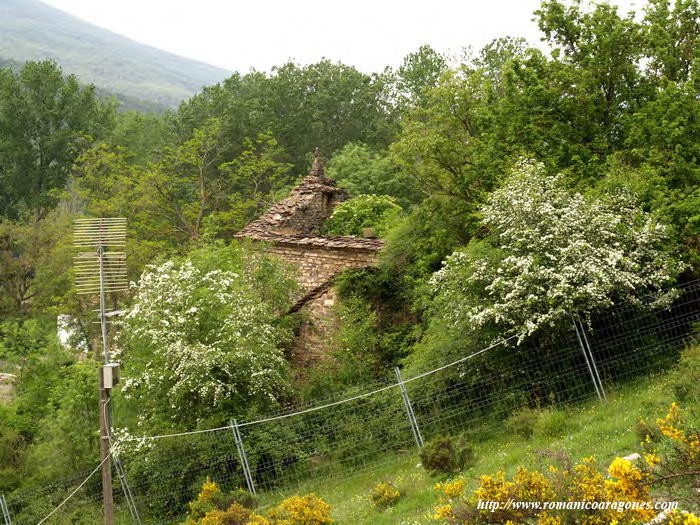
(354, 432)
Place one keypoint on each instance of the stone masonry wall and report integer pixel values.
(318, 265)
(317, 330)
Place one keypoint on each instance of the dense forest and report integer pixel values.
(512, 188)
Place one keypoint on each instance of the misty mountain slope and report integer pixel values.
(31, 30)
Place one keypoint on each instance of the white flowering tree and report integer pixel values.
(550, 253)
(202, 342)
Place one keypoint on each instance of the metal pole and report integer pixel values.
(127, 491)
(5, 510)
(590, 353)
(243, 457)
(409, 409)
(107, 494)
(585, 355)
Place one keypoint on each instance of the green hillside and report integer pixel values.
(31, 30)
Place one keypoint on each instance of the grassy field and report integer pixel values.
(602, 429)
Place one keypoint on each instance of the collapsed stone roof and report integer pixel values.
(297, 219)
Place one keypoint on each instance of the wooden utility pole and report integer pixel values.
(105, 424)
(107, 496)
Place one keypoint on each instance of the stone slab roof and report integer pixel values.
(274, 225)
(317, 241)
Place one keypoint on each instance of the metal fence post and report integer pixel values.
(409, 410)
(128, 495)
(588, 355)
(5, 510)
(243, 457)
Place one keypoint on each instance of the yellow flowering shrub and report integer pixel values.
(213, 507)
(384, 495)
(624, 481)
(670, 426)
(301, 510)
(682, 518)
(235, 515)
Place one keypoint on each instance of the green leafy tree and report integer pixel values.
(252, 182)
(34, 262)
(375, 212)
(452, 144)
(45, 120)
(418, 72)
(189, 194)
(324, 105)
(67, 440)
(360, 171)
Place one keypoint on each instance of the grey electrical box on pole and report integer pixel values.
(109, 375)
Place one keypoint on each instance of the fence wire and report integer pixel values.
(353, 432)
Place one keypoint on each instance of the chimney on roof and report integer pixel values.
(317, 170)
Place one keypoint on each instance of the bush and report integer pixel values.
(301, 510)
(213, 507)
(234, 515)
(522, 422)
(685, 379)
(384, 495)
(446, 455)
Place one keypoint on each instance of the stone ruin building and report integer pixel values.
(291, 230)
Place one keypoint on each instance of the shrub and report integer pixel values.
(685, 380)
(550, 253)
(234, 515)
(213, 348)
(522, 422)
(213, 507)
(446, 455)
(301, 510)
(384, 495)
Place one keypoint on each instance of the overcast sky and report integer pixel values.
(369, 34)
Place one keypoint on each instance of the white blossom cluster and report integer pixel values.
(199, 340)
(552, 253)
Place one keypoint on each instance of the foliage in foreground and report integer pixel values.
(446, 455)
(551, 253)
(669, 466)
(384, 495)
(203, 336)
(213, 507)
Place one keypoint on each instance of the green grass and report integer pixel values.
(602, 429)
